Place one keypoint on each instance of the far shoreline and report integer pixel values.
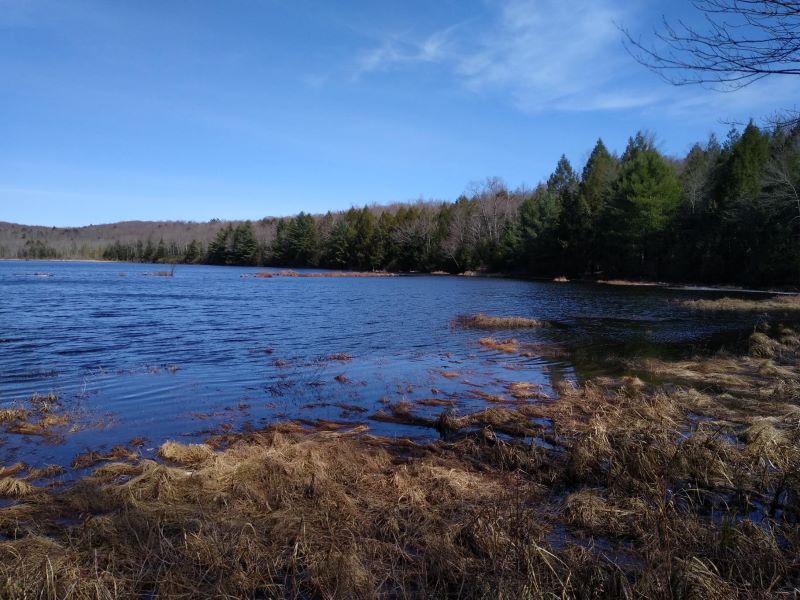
(679, 286)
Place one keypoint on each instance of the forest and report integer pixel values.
(727, 212)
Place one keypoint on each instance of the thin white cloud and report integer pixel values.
(552, 54)
(396, 50)
(543, 55)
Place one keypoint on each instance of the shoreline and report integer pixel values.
(677, 286)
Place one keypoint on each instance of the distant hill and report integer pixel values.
(34, 241)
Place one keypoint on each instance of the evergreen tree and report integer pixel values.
(646, 198)
(244, 247)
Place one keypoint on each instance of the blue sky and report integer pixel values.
(245, 108)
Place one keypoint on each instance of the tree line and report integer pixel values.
(729, 211)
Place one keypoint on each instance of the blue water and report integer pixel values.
(210, 348)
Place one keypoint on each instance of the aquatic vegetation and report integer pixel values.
(38, 418)
(92, 457)
(489, 397)
(523, 390)
(482, 321)
(43, 402)
(509, 345)
(14, 469)
(9, 415)
(772, 304)
(326, 274)
(45, 472)
(629, 282)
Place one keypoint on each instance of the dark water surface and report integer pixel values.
(178, 357)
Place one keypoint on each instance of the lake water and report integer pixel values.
(211, 348)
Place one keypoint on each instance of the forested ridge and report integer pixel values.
(727, 212)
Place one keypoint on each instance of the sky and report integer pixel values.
(235, 109)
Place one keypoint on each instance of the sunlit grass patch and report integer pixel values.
(509, 345)
(322, 274)
(523, 390)
(772, 304)
(185, 453)
(482, 321)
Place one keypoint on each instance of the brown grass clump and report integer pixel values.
(772, 304)
(482, 321)
(763, 346)
(628, 282)
(14, 469)
(92, 457)
(11, 487)
(46, 472)
(523, 390)
(527, 350)
(185, 453)
(44, 402)
(43, 426)
(9, 415)
(494, 398)
(44, 416)
(327, 274)
(339, 356)
(509, 346)
(436, 402)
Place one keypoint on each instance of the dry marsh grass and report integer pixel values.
(42, 415)
(325, 274)
(482, 321)
(629, 282)
(186, 453)
(681, 485)
(773, 304)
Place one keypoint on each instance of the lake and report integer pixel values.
(212, 349)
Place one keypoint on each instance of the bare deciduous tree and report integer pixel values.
(741, 41)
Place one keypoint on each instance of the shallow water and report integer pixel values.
(131, 354)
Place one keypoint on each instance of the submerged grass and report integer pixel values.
(42, 416)
(682, 484)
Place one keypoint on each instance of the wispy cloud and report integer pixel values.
(542, 55)
(397, 49)
(552, 54)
